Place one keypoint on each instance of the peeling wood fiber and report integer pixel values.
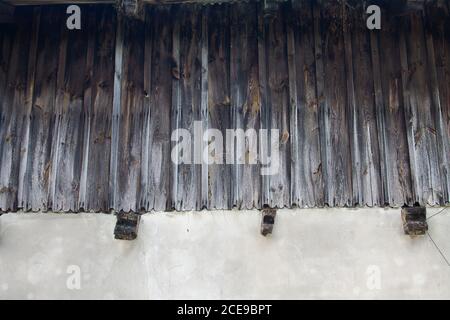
(86, 116)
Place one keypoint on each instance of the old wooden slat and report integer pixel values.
(31, 74)
(155, 168)
(131, 117)
(306, 172)
(365, 152)
(405, 76)
(146, 196)
(245, 103)
(421, 129)
(102, 87)
(204, 107)
(187, 102)
(324, 126)
(438, 46)
(219, 108)
(70, 131)
(380, 115)
(87, 108)
(265, 98)
(37, 177)
(353, 109)
(159, 172)
(295, 187)
(275, 108)
(398, 187)
(279, 86)
(7, 35)
(175, 110)
(60, 87)
(336, 131)
(14, 114)
(6, 40)
(117, 100)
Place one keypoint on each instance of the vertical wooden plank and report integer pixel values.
(367, 190)
(160, 85)
(279, 86)
(324, 125)
(25, 137)
(102, 91)
(14, 112)
(380, 117)
(131, 117)
(187, 101)
(88, 108)
(306, 173)
(265, 98)
(70, 131)
(245, 103)
(398, 185)
(353, 109)
(275, 105)
(117, 100)
(336, 127)
(204, 106)
(6, 38)
(37, 177)
(437, 40)
(155, 193)
(60, 90)
(147, 132)
(219, 108)
(176, 107)
(292, 55)
(421, 129)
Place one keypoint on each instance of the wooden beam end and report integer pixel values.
(267, 221)
(414, 220)
(127, 226)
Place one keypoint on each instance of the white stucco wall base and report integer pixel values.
(312, 254)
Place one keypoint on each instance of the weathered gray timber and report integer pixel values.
(86, 116)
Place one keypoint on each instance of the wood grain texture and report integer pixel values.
(187, 73)
(14, 113)
(219, 103)
(86, 116)
(306, 168)
(156, 170)
(390, 114)
(42, 120)
(366, 178)
(421, 129)
(245, 102)
(437, 33)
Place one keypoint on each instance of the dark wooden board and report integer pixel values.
(245, 103)
(87, 116)
(306, 161)
(14, 112)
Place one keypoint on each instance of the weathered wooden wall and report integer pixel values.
(86, 116)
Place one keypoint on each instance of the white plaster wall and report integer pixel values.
(313, 254)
